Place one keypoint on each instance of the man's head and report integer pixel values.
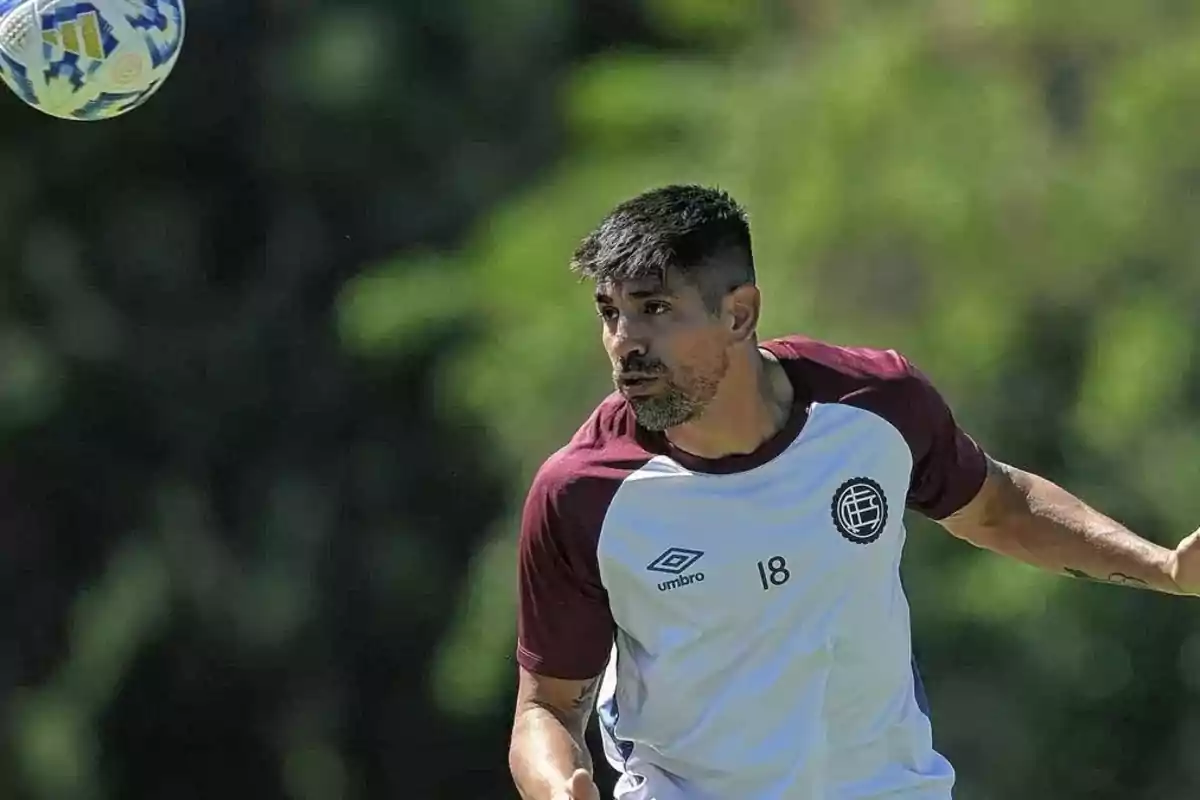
(674, 274)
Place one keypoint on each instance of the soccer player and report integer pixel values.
(713, 559)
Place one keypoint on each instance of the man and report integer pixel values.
(715, 554)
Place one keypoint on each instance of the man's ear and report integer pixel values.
(742, 308)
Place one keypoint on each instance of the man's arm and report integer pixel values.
(565, 629)
(1027, 517)
(548, 745)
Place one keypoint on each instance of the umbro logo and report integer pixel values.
(676, 561)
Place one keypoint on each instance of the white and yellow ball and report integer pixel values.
(88, 59)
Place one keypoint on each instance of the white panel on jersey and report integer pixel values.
(763, 646)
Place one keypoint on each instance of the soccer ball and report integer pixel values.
(88, 59)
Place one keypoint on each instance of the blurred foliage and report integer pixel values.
(269, 403)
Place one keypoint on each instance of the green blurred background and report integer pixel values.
(280, 351)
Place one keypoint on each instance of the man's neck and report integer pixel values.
(752, 405)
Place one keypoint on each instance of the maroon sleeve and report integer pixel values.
(948, 466)
(564, 625)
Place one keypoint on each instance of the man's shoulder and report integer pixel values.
(883, 382)
(832, 372)
(597, 458)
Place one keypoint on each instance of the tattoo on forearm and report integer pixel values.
(585, 696)
(1116, 578)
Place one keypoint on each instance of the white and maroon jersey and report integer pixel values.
(747, 612)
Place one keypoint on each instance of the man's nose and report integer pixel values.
(628, 340)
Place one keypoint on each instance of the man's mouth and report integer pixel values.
(635, 382)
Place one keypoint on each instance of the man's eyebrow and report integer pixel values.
(637, 294)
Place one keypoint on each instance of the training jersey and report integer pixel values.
(747, 613)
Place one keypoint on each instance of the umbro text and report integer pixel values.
(681, 581)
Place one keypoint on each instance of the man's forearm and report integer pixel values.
(1046, 526)
(545, 751)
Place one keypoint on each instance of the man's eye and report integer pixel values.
(656, 308)
(606, 313)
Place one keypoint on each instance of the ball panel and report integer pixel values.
(17, 21)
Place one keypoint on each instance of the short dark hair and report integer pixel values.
(699, 231)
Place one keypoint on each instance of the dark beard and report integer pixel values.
(683, 398)
(669, 409)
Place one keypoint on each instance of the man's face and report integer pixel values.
(669, 352)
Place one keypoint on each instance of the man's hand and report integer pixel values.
(579, 787)
(1185, 565)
